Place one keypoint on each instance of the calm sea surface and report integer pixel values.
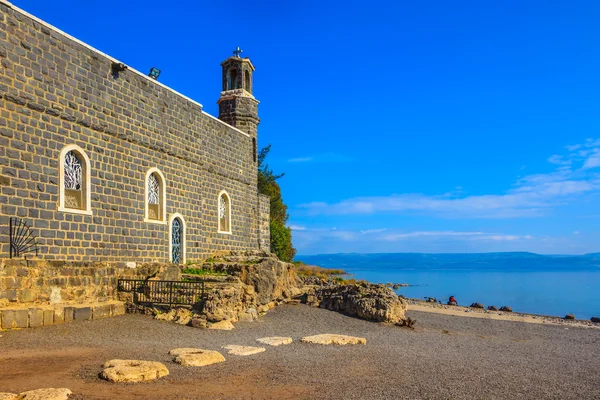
(558, 291)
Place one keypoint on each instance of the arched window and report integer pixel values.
(156, 197)
(74, 180)
(232, 76)
(224, 213)
(177, 245)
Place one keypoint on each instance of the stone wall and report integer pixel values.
(264, 207)
(55, 91)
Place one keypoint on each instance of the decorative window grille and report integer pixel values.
(224, 213)
(176, 241)
(154, 206)
(73, 181)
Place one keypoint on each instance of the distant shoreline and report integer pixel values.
(464, 311)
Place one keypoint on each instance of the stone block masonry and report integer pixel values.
(54, 92)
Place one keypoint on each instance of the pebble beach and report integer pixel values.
(444, 357)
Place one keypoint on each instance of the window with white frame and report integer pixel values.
(224, 213)
(74, 180)
(155, 196)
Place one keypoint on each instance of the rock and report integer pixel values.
(477, 305)
(45, 394)
(569, 316)
(452, 303)
(333, 339)
(9, 396)
(243, 350)
(223, 325)
(431, 299)
(595, 320)
(275, 340)
(133, 370)
(199, 323)
(366, 301)
(492, 308)
(506, 309)
(245, 317)
(190, 357)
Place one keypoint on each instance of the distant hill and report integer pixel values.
(507, 261)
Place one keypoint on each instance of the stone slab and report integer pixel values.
(133, 371)
(102, 311)
(191, 357)
(8, 319)
(21, 318)
(222, 325)
(46, 394)
(275, 340)
(36, 317)
(48, 317)
(243, 350)
(69, 312)
(329, 338)
(82, 314)
(59, 316)
(117, 309)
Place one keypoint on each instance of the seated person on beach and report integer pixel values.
(452, 301)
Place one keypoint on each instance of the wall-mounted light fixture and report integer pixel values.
(118, 67)
(154, 73)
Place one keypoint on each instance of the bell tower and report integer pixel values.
(237, 105)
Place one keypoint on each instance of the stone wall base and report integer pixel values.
(44, 315)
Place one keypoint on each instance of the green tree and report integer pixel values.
(281, 234)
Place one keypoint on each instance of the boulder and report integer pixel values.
(506, 309)
(333, 339)
(133, 371)
(181, 316)
(492, 308)
(595, 320)
(275, 340)
(569, 316)
(222, 325)
(45, 394)
(191, 357)
(243, 350)
(366, 301)
(199, 322)
(477, 305)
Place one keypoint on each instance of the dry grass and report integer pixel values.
(312, 270)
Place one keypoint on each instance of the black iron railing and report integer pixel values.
(163, 292)
(22, 240)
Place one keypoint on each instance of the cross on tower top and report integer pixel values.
(237, 52)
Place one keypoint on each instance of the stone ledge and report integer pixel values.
(44, 315)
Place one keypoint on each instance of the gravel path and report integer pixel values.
(446, 357)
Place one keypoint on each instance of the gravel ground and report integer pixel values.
(445, 357)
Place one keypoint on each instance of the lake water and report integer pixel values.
(548, 291)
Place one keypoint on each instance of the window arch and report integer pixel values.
(177, 239)
(74, 181)
(224, 212)
(155, 198)
(247, 81)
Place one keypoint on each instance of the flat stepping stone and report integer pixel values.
(133, 371)
(243, 350)
(275, 340)
(191, 357)
(328, 338)
(221, 325)
(9, 396)
(45, 394)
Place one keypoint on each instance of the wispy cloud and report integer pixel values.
(531, 196)
(297, 228)
(321, 158)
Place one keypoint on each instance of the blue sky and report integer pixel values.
(429, 126)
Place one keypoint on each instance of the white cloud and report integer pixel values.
(300, 159)
(297, 228)
(371, 231)
(532, 196)
(321, 158)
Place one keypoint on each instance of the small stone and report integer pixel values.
(333, 339)
(45, 394)
(133, 370)
(199, 323)
(222, 325)
(275, 340)
(243, 350)
(245, 317)
(191, 357)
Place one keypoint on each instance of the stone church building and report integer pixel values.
(100, 162)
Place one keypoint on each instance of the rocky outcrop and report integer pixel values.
(506, 309)
(366, 301)
(492, 308)
(477, 305)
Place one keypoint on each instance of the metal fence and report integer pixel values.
(163, 292)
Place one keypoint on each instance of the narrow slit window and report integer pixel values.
(224, 213)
